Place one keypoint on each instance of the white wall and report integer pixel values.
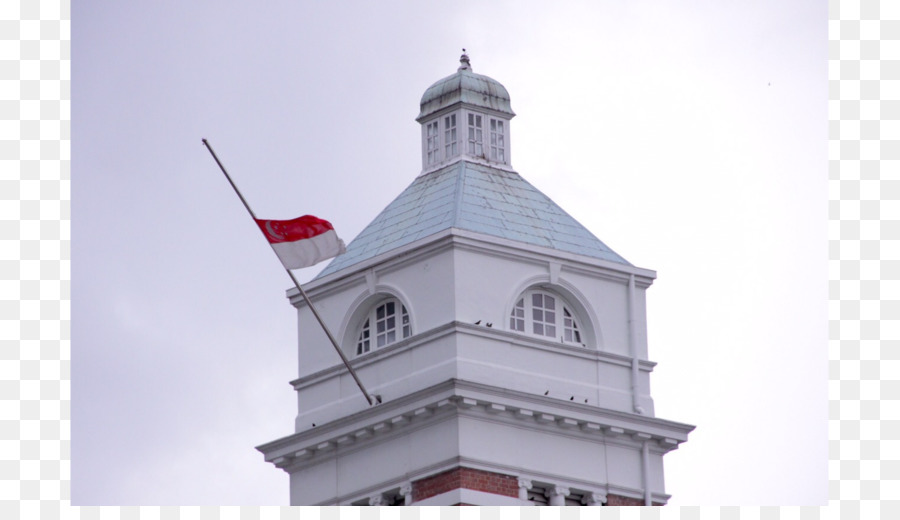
(446, 291)
(467, 285)
(375, 466)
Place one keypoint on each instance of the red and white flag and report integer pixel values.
(303, 241)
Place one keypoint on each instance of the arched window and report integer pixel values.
(386, 323)
(543, 313)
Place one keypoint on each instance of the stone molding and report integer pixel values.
(464, 397)
(428, 336)
(453, 237)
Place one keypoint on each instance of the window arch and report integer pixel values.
(387, 322)
(543, 313)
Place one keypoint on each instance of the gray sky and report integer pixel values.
(690, 137)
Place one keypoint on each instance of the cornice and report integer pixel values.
(465, 105)
(512, 249)
(374, 421)
(454, 398)
(425, 338)
(631, 423)
(473, 241)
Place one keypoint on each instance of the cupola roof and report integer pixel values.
(465, 87)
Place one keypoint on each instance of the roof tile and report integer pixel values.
(493, 202)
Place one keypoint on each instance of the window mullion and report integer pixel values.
(561, 320)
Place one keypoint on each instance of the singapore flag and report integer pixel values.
(303, 241)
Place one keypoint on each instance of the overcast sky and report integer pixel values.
(688, 136)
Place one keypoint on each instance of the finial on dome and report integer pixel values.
(464, 62)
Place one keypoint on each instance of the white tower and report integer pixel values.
(508, 344)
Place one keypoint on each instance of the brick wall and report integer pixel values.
(467, 478)
(618, 500)
(489, 482)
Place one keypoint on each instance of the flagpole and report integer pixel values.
(296, 283)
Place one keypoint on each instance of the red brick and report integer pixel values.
(619, 500)
(467, 478)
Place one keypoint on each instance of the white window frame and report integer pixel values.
(432, 143)
(497, 129)
(545, 314)
(475, 134)
(451, 142)
(386, 323)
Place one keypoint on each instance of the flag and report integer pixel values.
(303, 241)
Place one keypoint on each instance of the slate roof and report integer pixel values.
(476, 198)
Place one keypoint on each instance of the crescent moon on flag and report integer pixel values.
(270, 229)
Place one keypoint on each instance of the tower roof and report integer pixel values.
(477, 198)
(465, 87)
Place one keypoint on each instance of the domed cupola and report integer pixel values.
(465, 86)
(465, 116)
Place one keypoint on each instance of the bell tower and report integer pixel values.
(507, 343)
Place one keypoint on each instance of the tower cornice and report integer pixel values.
(455, 397)
(472, 241)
